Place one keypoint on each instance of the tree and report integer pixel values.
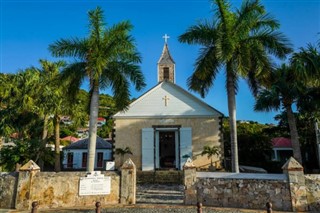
(108, 57)
(253, 138)
(306, 63)
(240, 42)
(51, 101)
(284, 92)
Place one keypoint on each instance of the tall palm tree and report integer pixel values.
(108, 57)
(284, 92)
(240, 42)
(52, 101)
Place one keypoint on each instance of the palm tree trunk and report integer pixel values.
(45, 128)
(57, 167)
(232, 118)
(43, 141)
(94, 107)
(294, 134)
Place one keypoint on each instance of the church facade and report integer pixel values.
(167, 125)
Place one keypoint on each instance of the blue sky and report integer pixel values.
(27, 27)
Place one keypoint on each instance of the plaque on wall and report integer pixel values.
(95, 184)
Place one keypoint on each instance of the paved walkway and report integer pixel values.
(144, 208)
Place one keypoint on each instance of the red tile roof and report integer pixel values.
(281, 142)
(70, 138)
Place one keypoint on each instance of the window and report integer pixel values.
(70, 160)
(100, 159)
(84, 159)
(166, 73)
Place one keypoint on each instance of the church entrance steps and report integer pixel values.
(170, 194)
(160, 177)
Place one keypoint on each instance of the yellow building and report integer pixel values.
(167, 124)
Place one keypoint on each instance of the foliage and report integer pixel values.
(104, 131)
(21, 152)
(66, 131)
(109, 59)
(254, 141)
(107, 106)
(240, 41)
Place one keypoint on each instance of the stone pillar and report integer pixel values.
(297, 186)
(24, 188)
(190, 178)
(128, 183)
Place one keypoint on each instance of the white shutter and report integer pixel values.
(185, 145)
(147, 149)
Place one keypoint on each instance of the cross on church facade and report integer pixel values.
(166, 99)
(165, 38)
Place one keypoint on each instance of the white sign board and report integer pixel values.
(95, 184)
(110, 165)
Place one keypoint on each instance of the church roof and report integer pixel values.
(167, 99)
(83, 144)
(165, 57)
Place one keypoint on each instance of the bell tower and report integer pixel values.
(166, 65)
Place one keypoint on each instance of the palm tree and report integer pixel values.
(210, 152)
(306, 63)
(284, 92)
(240, 42)
(122, 153)
(52, 101)
(108, 57)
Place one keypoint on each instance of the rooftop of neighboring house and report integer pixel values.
(281, 142)
(83, 144)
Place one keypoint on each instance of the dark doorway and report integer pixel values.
(70, 160)
(167, 149)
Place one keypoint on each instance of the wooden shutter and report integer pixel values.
(185, 145)
(147, 149)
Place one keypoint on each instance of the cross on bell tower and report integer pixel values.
(165, 37)
(166, 65)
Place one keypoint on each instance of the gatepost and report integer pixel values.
(297, 185)
(128, 183)
(24, 188)
(190, 178)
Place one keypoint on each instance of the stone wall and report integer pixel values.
(205, 131)
(241, 191)
(53, 190)
(290, 191)
(313, 192)
(61, 190)
(8, 184)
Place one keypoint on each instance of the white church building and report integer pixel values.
(167, 124)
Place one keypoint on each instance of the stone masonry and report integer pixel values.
(313, 192)
(7, 189)
(291, 191)
(61, 190)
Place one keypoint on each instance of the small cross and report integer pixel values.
(165, 38)
(166, 99)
